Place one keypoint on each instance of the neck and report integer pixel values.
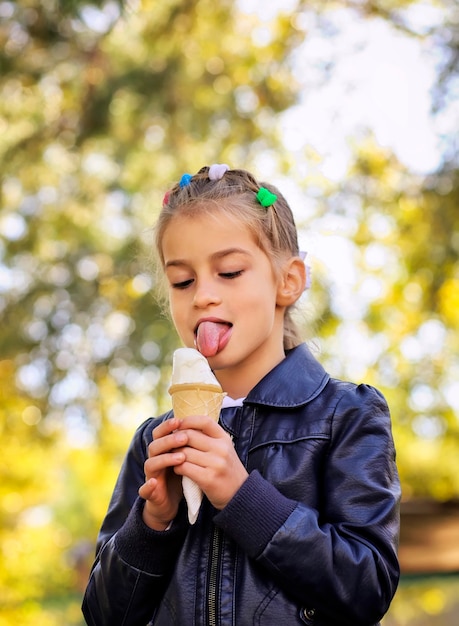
(238, 381)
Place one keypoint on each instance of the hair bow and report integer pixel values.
(217, 171)
(265, 197)
(302, 254)
(185, 180)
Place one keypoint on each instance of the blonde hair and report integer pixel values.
(273, 228)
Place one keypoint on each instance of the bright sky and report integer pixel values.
(381, 80)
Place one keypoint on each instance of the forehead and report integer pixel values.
(192, 239)
(205, 225)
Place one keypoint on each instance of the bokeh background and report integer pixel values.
(352, 109)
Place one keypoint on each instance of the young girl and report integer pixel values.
(299, 522)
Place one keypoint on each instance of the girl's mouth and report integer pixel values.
(211, 336)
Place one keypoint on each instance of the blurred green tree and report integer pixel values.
(405, 231)
(405, 307)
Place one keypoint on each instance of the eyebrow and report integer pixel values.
(220, 254)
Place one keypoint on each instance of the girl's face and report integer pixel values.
(223, 298)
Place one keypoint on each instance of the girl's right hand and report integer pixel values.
(162, 490)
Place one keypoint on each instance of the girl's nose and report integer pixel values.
(205, 296)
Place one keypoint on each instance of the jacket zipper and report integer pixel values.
(213, 585)
(213, 588)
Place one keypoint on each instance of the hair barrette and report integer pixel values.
(265, 197)
(302, 254)
(166, 198)
(217, 171)
(185, 180)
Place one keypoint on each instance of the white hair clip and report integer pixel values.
(302, 256)
(217, 170)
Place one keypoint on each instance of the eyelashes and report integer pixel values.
(231, 275)
(183, 284)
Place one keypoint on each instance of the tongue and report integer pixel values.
(208, 337)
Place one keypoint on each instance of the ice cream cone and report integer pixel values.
(194, 391)
(196, 399)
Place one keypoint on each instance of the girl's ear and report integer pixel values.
(292, 282)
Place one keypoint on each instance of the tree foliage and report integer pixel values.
(405, 231)
(406, 237)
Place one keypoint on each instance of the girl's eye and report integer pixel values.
(231, 274)
(182, 284)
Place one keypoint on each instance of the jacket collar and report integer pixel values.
(296, 380)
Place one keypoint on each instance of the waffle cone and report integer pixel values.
(196, 399)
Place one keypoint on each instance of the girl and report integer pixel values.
(299, 522)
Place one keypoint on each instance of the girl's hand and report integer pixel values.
(210, 459)
(162, 490)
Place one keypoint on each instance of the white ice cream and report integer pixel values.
(190, 366)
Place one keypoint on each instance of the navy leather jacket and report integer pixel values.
(310, 538)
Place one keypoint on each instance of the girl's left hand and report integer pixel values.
(210, 460)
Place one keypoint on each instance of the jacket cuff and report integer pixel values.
(149, 550)
(255, 514)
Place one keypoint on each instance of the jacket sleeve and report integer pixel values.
(133, 562)
(342, 555)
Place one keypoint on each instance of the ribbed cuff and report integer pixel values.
(146, 549)
(254, 514)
